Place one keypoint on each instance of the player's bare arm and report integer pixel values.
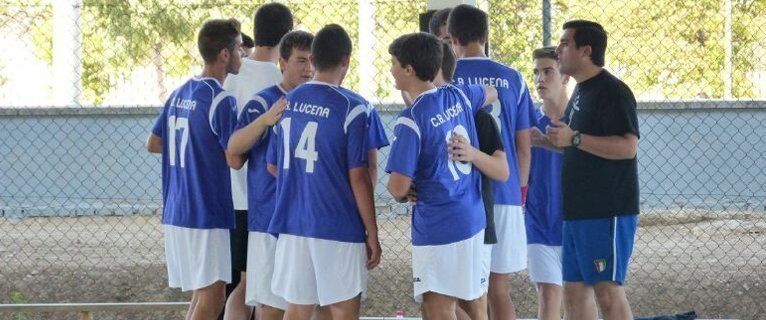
(372, 166)
(271, 169)
(244, 139)
(362, 187)
(399, 186)
(494, 166)
(154, 143)
(235, 161)
(490, 95)
(523, 154)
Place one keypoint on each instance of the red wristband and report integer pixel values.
(524, 194)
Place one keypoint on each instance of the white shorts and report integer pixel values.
(260, 269)
(486, 262)
(197, 258)
(545, 264)
(509, 254)
(318, 271)
(457, 269)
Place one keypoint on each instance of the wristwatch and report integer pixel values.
(576, 139)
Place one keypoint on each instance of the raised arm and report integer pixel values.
(494, 166)
(490, 95)
(617, 147)
(245, 138)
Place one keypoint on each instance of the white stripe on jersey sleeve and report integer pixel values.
(522, 88)
(214, 105)
(409, 123)
(262, 102)
(465, 98)
(357, 111)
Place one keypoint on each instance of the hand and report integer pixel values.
(560, 134)
(373, 251)
(537, 136)
(460, 149)
(272, 116)
(412, 195)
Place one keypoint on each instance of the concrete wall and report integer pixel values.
(706, 155)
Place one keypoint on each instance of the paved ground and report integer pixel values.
(714, 263)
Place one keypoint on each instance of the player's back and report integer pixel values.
(510, 111)
(449, 206)
(196, 123)
(321, 136)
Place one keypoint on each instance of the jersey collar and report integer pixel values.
(422, 94)
(321, 83)
(197, 78)
(474, 58)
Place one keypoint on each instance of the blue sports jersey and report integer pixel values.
(195, 126)
(377, 132)
(261, 185)
(321, 136)
(510, 111)
(449, 206)
(545, 212)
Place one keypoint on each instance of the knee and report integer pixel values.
(605, 298)
(548, 293)
(569, 300)
(435, 312)
(572, 298)
(215, 292)
(499, 288)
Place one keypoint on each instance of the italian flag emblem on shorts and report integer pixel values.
(600, 265)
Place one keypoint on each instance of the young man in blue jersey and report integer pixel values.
(468, 28)
(448, 217)
(251, 140)
(599, 177)
(324, 213)
(259, 71)
(489, 158)
(192, 133)
(544, 212)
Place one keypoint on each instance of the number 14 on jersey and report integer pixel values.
(306, 148)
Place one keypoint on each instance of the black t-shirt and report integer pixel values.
(594, 187)
(489, 142)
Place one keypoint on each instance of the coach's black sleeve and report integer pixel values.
(488, 134)
(620, 117)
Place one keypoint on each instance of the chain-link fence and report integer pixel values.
(80, 198)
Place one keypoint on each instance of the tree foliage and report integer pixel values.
(661, 48)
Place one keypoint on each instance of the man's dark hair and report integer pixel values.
(330, 46)
(422, 51)
(216, 35)
(545, 53)
(272, 21)
(438, 20)
(468, 24)
(448, 62)
(589, 33)
(297, 39)
(247, 42)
